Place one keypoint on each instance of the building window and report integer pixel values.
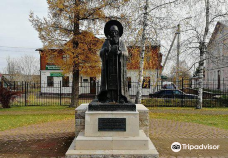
(51, 59)
(81, 82)
(129, 82)
(129, 56)
(50, 81)
(66, 58)
(148, 58)
(146, 82)
(212, 76)
(65, 81)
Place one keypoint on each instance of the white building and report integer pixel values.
(53, 81)
(216, 65)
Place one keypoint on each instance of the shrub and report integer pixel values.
(6, 95)
(161, 102)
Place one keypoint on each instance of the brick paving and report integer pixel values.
(52, 139)
(164, 132)
(64, 128)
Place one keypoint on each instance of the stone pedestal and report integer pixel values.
(91, 123)
(127, 138)
(80, 118)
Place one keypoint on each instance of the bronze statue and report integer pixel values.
(114, 65)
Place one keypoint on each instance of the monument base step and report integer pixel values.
(140, 142)
(73, 152)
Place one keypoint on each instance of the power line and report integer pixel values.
(25, 51)
(18, 47)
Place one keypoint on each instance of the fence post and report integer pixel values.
(96, 88)
(22, 87)
(157, 86)
(60, 97)
(25, 94)
(213, 85)
(27, 91)
(182, 87)
(27, 87)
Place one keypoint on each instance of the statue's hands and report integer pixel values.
(119, 52)
(107, 49)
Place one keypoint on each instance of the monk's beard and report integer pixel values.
(114, 40)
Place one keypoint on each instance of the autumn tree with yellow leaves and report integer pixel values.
(152, 59)
(69, 28)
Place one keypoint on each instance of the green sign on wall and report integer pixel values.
(52, 67)
(56, 74)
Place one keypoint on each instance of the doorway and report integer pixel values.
(92, 85)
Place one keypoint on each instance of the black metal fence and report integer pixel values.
(59, 94)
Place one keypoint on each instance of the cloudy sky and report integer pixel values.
(17, 36)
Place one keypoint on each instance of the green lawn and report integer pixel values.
(217, 117)
(22, 116)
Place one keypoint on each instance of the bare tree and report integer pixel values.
(28, 66)
(11, 68)
(146, 27)
(142, 53)
(183, 71)
(22, 68)
(198, 29)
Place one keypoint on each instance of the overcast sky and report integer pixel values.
(16, 30)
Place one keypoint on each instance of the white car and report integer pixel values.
(168, 85)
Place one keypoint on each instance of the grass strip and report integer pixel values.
(14, 121)
(219, 121)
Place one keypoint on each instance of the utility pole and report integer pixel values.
(166, 58)
(178, 53)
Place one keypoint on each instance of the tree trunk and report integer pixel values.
(200, 91)
(202, 47)
(142, 53)
(75, 82)
(178, 53)
(75, 89)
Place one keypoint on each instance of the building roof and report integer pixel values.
(216, 29)
(128, 43)
(224, 22)
(53, 48)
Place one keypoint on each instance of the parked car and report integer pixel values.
(168, 85)
(172, 93)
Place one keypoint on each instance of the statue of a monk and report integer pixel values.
(114, 86)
